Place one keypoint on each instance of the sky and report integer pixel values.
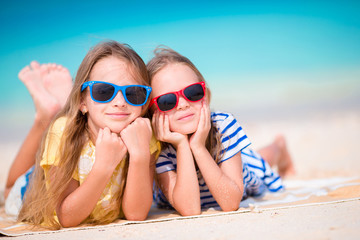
(253, 54)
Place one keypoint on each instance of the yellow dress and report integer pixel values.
(85, 163)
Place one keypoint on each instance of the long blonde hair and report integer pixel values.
(42, 197)
(165, 56)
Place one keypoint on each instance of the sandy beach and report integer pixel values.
(324, 144)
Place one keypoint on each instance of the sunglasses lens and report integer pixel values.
(194, 92)
(136, 95)
(102, 92)
(167, 102)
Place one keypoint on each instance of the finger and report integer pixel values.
(166, 124)
(148, 124)
(114, 137)
(121, 140)
(207, 115)
(100, 136)
(201, 124)
(106, 132)
(134, 121)
(153, 121)
(142, 125)
(160, 126)
(124, 131)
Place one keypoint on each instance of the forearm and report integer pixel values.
(78, 205)
(137, 197)
(186, 193)
(225, 190)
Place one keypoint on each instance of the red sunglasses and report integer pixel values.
(168, 101)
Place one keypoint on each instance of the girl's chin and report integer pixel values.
(184, 131)
(116, 130)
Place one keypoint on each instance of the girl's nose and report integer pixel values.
(119, 100)
(183, 103)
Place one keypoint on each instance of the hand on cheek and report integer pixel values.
(161, 126)
(110, 149)
(137, 135)
(198, 139)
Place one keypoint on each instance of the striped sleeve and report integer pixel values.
(233, 137)
(166, 160)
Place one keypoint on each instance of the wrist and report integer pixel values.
(102, 168)
(199, 152)
(184, 143)
(102, 171)
(197, 147)
(139, 157)
(41, 124)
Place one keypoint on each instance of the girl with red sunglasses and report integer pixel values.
(205, 159)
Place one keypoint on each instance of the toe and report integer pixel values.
(35, 65)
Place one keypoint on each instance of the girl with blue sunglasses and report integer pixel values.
(95, 162)
(205, 159)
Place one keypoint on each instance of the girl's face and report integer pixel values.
(184, 118)
(116, 114)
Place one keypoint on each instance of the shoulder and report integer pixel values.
(224, 121)
(52, 142)
(58, 125)
(232, 136)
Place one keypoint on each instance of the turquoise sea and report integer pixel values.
(259, 58)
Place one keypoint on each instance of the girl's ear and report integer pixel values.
(83, 109)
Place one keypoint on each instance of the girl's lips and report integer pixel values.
(186, 117)
(118, 115)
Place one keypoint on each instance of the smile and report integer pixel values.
(186, 117)
(118, 115)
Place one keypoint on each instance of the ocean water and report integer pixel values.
(261, 60)
(251, 98)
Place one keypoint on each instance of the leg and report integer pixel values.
(277, 155)
(47, 105)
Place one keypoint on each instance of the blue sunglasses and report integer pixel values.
(103, 92)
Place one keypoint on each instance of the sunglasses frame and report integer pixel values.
(117, 89)
(177, 93)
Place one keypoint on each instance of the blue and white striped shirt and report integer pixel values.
(257, 174)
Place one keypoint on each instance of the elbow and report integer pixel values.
(135, 216)
(67, 219)
(232, 205)
(136, 213)
(187, 208)
(66, 223)
(190, 211)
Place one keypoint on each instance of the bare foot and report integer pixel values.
(277, 155)
(58, 82)
(285, 164)
(45, 104)
(31, 76)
